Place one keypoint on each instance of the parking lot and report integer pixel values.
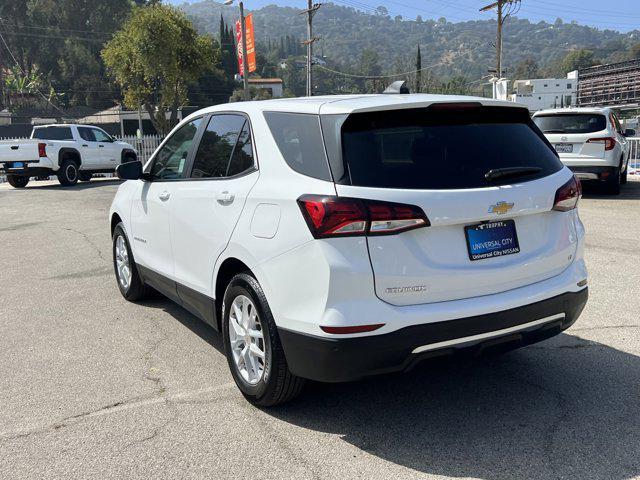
(94, 387)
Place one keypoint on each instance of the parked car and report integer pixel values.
(590, 141)
(72, 152)
(334, 238)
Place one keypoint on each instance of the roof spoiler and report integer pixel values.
(399, 86)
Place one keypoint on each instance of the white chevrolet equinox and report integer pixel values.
(334, 238)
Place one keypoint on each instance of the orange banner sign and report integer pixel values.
(251, 49)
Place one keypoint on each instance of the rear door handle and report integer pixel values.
(101, 146)
(164, 196)
(225, 198)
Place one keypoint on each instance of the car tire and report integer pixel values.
(17, 181)
(84, 176)
(267, 381)
(124, 266)
(68, 173)
(623, 177)
(612, 185)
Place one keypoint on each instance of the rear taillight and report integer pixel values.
(329, 216)
(568, 195)
(42, 149)
(609, 142)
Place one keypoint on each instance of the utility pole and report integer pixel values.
(310, 11)
(245, 64)
(504, 8)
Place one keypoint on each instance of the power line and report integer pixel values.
(376, 77)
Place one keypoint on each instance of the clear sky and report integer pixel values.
(621, 15)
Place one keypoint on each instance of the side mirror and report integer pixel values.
(129, 170)
(629, 132)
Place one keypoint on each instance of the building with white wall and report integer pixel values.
(541, 93)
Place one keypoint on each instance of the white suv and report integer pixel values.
(590, 141)
(333, 238)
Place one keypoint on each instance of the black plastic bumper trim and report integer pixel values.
(342, 359)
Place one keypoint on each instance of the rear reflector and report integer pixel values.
(609, 142)
(352, 329)
(42, 149)
(568, 195)
(330, 216)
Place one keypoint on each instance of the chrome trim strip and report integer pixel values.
(482, 336)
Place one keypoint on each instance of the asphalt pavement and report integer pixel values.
(92, 386)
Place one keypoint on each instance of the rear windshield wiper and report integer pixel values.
(510, 172)
(553, 131)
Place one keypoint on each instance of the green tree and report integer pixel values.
(526, 69)
(634, 52)
(578, 59)
(154, 57)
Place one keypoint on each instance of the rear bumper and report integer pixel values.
(31, 168)
(593, 172)
(346, 359)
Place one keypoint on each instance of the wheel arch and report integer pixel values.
(65, 153)
(128, 152)
(230, 267)
(115, 220)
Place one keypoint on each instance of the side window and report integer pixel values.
(216, 146)
(242, 158)
(86, 134)
(170, 160)
(100, 135)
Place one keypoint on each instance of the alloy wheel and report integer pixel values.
(246, 339)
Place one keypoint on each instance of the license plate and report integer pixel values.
(564, 147)
(492, 239)
(18, 164)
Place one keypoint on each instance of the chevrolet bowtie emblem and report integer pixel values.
(500, 208)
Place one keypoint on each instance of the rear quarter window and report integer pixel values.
(299, 139)
(432, 148)
(53, 133)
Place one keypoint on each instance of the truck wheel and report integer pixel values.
(252, 345)
(17, 181)
(612, 186)
(68, 173)
(84, 176)
(129, 282)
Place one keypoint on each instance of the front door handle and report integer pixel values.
(101, 146)
(225, 198)
(164, 196)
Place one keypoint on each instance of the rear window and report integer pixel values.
(441, 148)
(299, 139)
(571, 123)
(53, 133)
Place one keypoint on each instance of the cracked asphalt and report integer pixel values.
(94, 387)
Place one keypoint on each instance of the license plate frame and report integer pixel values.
(495, 238)
(563, 147)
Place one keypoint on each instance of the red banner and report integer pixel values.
(251, 49)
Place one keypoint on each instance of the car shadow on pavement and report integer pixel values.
(565, 408)
(78, 186)
(628, 191)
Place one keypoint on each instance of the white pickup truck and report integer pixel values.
(72, 152)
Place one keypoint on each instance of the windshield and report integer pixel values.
(571, 123)
(443, 148)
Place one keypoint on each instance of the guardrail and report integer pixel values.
(145, 146)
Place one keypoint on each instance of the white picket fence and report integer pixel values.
(145, 147)
(634, 155)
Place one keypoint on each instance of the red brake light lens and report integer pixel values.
(42, 149)
(329, 216)
(568, 195)
(609, 142)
